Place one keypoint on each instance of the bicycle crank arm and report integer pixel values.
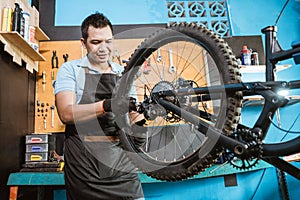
(216, 135)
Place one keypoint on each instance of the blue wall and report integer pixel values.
(72, 12)
(248, 17)
(254, 18)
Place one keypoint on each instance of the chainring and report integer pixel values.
(250, 159)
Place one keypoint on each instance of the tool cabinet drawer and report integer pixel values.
(36, 157)
(39, 138)
(37, 148)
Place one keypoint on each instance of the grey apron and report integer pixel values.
(96, 168)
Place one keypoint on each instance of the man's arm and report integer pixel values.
(70, 112)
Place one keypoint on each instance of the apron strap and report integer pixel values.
(101, 139)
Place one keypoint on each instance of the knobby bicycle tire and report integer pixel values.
(173, 148)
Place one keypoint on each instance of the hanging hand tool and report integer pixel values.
(66, 57)
(52, 79)
(54, 63)
(54, 60)
(38, 102)
(117, 56)
(159, 57)
(172, 68)
(52, 116)
(44, 77)
(44, 80)
(45, 123)
(52, 76)
(147, 66)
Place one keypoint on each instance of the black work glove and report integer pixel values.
(119, 106)
(139, 133)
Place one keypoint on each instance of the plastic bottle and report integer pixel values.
(246, 55)
(254, 58)
(7, 19)
(24, 31)
(16, 26)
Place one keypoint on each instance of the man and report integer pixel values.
(95, 166)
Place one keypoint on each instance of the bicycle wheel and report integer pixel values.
(180, 57)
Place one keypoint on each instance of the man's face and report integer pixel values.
(99, 44)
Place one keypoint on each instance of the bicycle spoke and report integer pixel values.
(187, 59)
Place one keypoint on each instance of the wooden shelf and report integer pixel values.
(260, 68)
(17, 40)
(40, 35)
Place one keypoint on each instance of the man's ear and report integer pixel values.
(83, 43)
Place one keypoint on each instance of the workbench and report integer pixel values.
(43, 179)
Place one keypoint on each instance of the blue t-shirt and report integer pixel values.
(71, 76)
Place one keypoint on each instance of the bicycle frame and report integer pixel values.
(267, 89)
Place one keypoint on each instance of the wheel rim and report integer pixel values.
(173, 144)
(169, 138)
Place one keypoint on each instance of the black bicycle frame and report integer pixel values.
(270, 152)
(274, 52)
(268, 89)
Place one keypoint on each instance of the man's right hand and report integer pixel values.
(119, 106)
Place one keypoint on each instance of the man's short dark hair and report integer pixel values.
(97, 20)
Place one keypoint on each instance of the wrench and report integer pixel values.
(147, 66)
(159, 57)
(45, 123)
(44, 80)
(66, 57)
(172, 68)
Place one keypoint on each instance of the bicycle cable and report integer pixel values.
(201, 99)
(259, 183)
(285, 130)
(281, 12)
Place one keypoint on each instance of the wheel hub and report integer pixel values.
(161, 87)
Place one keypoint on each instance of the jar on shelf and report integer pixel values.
(246, 55)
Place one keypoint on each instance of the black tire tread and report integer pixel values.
(234, 104)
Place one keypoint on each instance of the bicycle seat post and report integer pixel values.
(271, 46)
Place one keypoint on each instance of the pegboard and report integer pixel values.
(46, 117)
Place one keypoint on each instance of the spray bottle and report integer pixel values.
(16, 26)
(246, 55)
